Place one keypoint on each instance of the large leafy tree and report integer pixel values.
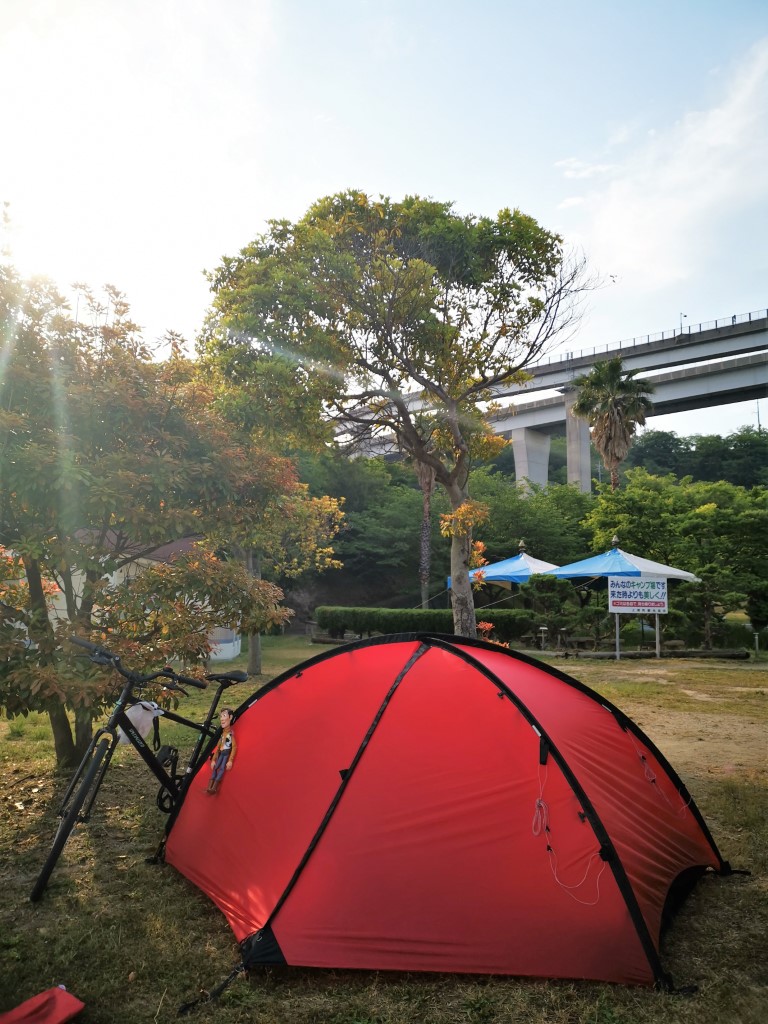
(740, 458)
(394, 323)
(614, 402)
(105, 457)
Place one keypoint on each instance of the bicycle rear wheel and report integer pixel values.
(69, 818)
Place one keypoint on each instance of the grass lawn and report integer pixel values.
(134, 940)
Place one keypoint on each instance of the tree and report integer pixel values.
(379, 540)
(293, 532)
(105, 457)
(715, 530)
(614, 403)
(549, 518)
(293, 535)
(757, 606)
(661, 452)
(396, 322)
(740, 458)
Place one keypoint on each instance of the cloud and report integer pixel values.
(571, 201)
(655, 216)
(574, 168)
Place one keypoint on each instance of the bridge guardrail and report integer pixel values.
(644, 339)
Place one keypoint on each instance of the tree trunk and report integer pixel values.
(63, 743)
(83, 730)
(253, 565)
(612, 465)
(254, 654)
(42, 634)
(463, 602)
(706, 641)
(426, 475)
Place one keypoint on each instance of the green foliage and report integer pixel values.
(342, 314)
(614, 402)
(508, 624)
(105, 457)
(336, 621)
(661, 452)
(170, 609)
(757, 605)
(552, 603)
(378, 545)
(715, 530)
(740, 458)
(549, 519)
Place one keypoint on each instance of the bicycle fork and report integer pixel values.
(85, 811)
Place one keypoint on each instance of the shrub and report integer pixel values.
(509, 623)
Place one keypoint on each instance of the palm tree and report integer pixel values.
(614, 403)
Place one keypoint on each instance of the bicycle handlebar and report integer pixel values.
(98, 654)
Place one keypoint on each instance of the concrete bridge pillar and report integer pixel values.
(577, 446)
(531, 451)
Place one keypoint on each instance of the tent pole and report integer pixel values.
(658, 638)
(618, 654)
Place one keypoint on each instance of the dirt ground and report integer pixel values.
(697, 743)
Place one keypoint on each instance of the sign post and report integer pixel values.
(638, 595)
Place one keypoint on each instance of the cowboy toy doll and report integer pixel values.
(223, 755)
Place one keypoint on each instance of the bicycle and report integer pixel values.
(84, 786)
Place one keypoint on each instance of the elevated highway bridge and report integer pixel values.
(703, 366)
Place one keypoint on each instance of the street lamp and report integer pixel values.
(683, 316)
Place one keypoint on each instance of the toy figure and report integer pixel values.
(224, 752)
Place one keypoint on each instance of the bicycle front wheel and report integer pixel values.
(69, 818)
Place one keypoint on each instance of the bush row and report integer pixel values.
(509, 623)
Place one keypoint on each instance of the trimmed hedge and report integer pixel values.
(509, 623)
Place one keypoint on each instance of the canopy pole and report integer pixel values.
(658, 637)
(618, 654)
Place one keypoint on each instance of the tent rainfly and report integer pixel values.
(431, 803)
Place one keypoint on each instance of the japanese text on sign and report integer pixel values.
(636, 595)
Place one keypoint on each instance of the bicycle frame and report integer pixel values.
(86, 782)
(119, 719)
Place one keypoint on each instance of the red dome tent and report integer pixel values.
(428, 803)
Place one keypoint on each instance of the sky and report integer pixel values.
(143, 140)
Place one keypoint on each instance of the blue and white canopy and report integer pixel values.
(620, 563)
(511, 570)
